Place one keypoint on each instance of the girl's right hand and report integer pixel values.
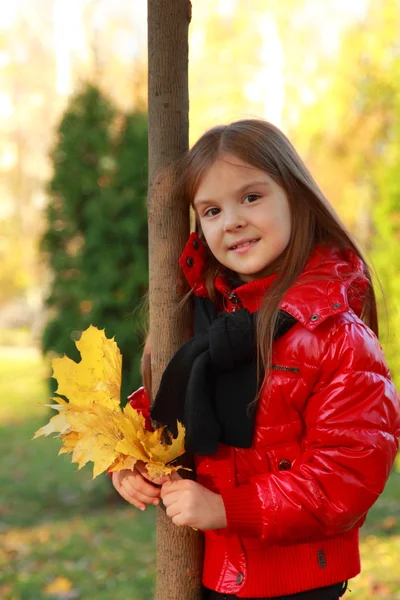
(136, 487)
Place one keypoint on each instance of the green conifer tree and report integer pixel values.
(96, 239)
(116, 249)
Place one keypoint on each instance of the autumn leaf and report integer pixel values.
(97, 377)
(56, 424)
(161, 454)
(389, 523)
(62, 589)
(147, 446)
(92, 426)
(132, 425)
(122, 462)
(59, 585)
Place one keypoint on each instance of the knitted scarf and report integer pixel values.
(210, 382)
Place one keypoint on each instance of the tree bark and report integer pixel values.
(179, 549)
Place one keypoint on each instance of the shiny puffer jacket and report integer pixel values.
(324, 443)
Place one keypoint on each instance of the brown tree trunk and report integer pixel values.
(179, 549)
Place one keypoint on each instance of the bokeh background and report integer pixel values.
(73, 234)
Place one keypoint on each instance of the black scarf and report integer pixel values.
(210, 382)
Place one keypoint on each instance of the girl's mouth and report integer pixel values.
(243, 248)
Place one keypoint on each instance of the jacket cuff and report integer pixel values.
(140, 401)
(244, 512)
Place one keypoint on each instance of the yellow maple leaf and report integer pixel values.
(148, 446)
(69, 441)
(95, 436)
(122, 462)
(97, 377)
(92, 426)
(132, 430)
(57, 424)
(160, 452)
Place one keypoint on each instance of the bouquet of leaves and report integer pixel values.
(91, 423)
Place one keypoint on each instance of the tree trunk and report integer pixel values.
(179, 549)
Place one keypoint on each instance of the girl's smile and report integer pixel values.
(243, 246)
(244, 216)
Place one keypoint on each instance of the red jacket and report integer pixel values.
(324, 443)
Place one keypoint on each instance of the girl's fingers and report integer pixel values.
(123, 483)
(179, 521)
(116, 480)
(141, 467)
(133, 481)
(133, 501)
(172, 510)
(139, 496)
(169, 498)
(138, 484)
(119, 476)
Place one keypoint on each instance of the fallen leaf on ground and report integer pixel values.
(389, 523)
(62, 589)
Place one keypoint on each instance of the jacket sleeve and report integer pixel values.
(351, 430)
(140, 401)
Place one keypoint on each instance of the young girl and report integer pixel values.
(288, 403)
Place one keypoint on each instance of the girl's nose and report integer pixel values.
(233, 220)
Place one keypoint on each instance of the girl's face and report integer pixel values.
(244, 216)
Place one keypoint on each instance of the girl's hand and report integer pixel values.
(136, 487)
(189, 503)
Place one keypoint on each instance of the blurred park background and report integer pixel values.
(73, 234)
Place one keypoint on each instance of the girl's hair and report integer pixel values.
(314, 221)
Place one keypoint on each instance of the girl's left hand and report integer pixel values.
(189, 503)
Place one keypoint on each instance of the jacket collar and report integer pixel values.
(332, 282)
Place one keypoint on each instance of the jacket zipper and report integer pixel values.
(237, 304)
(235, 300)
(283, 368)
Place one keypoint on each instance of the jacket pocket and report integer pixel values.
(285, 369)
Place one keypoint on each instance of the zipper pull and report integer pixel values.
(234, 299)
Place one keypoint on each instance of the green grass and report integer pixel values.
(59, 527)
(55, 522)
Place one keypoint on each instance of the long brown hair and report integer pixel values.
(314, 221)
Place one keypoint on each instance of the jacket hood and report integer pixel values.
(332, 281)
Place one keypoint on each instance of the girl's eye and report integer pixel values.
(209, 213)
(251, 197)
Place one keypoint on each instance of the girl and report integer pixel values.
(284, 391)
